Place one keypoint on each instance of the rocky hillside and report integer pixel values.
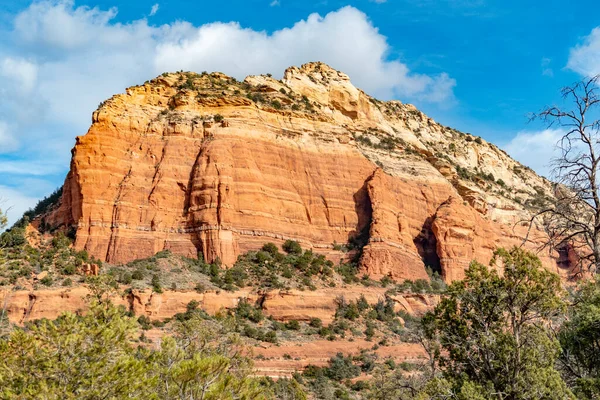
(202, 163)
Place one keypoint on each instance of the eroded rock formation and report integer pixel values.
(206, 164)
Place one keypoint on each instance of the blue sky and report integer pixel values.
(477, 65)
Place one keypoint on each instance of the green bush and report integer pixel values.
(12, 238)
(341, 368)
(293, 325)
(60, 241)
(245, 310)
(348, 273)
(370, 331)
(292, 247)
(315, 323)
(138, 275)
(69, 269)
(47, 280)
(270, 248)
(144, 322)
(156, 286)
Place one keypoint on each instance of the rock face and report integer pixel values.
(206, 164)
(23, 306)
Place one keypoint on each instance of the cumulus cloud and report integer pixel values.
(154, 9)
(345, 39)
(62, 60)
(536, 149)
(585, 57)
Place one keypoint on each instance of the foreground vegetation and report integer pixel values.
(509, 331)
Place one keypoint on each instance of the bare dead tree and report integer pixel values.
(573, 217)
(3, 224)
(3, 220)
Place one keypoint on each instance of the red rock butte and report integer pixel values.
(202, 163)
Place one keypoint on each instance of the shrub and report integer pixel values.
(138, 275)
(315, 323)
(47, 280)
(293, 325)
(386, 280)
(192, 306)
(348, 272)
(200, 288)
(236, 276)
(156, 286)
(270, 248)
(341, 368)
(370, 331)
(362, 303)
(144, 322)
(162, 254)
(292, 247)
(69, 269)
(60, 241)
(270, 337)
(14, 237)
(218, 118)
(245, 310)
(347, 310)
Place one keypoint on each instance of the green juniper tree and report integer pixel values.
(494, 332)
(579, 337)
(94, 357)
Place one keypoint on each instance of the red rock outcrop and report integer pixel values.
(26, 305)
(205, 164)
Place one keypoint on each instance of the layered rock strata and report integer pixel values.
(204, 164)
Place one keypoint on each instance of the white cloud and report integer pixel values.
(15, 203)
(8, 142)
(29, 168)
(546, 69)
(154, 9)
(536, 149)
(60, 61)
(275, 3)
(345, 39)
(70, 59)
(21, 72)
(585, 57)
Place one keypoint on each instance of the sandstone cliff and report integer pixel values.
(204, 163)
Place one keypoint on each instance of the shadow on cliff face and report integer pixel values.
(569, 261)
(364, 211)
(426, 244)
(188, 201)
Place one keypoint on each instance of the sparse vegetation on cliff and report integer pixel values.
(51, 259)
(487, 316)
